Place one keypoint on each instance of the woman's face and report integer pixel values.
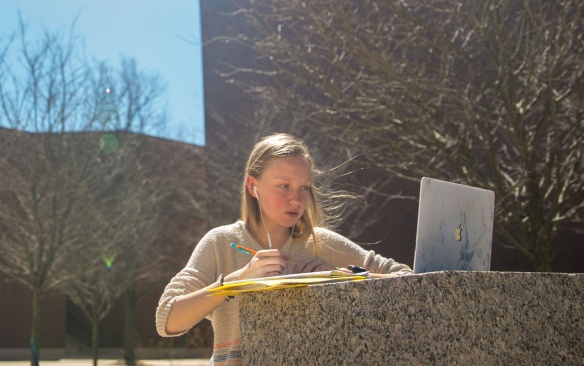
(284, 191)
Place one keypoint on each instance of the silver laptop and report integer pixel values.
(455, 227)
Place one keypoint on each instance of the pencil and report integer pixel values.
(243, 249)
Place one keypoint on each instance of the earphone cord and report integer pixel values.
(263, 222)
(265, 227)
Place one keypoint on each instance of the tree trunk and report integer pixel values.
(542, 260)
(35, 333)
(95, 339)
(129, 327)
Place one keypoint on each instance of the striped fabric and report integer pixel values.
(227, 353)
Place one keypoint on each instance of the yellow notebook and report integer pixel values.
(285, 281)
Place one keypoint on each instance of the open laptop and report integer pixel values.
(455, 227)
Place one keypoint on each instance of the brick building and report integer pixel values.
(65, 331)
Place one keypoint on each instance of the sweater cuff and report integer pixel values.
(162, 318)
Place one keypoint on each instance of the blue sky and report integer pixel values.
(155, 33)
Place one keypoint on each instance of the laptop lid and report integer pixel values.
(455, 227)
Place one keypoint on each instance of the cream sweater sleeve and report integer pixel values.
(341, 252)
(197, 274)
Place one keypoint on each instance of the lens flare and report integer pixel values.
(108, 260)
(109, 143)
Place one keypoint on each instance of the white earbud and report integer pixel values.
(256, 192)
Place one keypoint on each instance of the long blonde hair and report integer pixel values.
(268, 148)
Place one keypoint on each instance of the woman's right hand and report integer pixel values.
(265, 263)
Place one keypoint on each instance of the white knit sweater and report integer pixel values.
(214, 256)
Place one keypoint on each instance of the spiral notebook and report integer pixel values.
(455, 227)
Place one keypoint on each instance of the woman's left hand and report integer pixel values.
(312, 264)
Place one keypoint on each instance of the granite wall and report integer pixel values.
(442, 318)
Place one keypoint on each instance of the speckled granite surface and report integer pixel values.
(442, 318)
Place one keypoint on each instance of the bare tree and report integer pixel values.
(39, 185)
(482, 93)
(74, 203)
(120, 228)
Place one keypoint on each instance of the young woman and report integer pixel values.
(281, 219)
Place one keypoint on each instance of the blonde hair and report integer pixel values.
(272, 147)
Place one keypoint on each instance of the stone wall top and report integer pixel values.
(448, 318)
